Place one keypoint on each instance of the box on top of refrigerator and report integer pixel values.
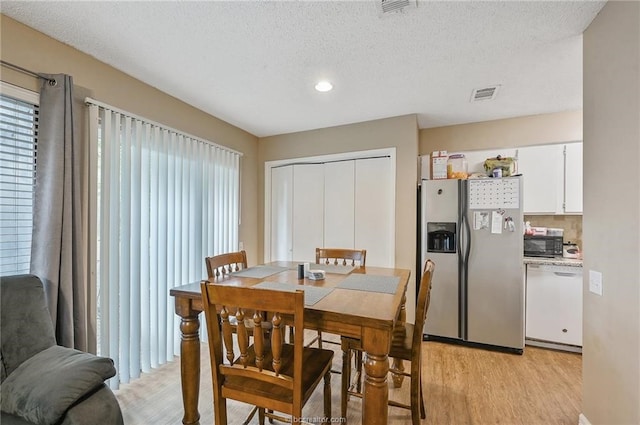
(438, 165)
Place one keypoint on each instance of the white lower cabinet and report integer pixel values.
(554, 304)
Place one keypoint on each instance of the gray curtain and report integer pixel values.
(56, 254)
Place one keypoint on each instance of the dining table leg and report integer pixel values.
(376, 344)
(189, 359)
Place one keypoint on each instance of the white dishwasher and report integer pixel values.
(554, 306)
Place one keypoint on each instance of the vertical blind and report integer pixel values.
(18, 137)
(163, 201)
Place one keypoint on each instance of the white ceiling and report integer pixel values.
(254, 63)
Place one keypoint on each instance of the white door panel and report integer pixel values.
(308, 211)
(339, 196)
(281, 213)
(375, 210)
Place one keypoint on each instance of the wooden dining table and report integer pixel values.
(367, 314)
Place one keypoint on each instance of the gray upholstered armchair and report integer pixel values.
(43, 383)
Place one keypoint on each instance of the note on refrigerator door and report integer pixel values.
(496, 222)
(480, 220)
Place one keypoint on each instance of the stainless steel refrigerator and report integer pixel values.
(472, 230)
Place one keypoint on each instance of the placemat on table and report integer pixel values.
(332, 268)
(259, 272)
(364, 282)
(312, 294)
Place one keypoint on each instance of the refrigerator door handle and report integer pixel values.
(465, 231)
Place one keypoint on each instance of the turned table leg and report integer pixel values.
(376, 368)
(189, 360)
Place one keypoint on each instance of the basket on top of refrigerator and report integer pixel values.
(508, 165)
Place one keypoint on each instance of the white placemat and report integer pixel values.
(364, 282)
(259, 272)
(332, 268)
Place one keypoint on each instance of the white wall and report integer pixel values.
(611, 234)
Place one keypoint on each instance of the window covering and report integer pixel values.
(18, 142)
(163, 201)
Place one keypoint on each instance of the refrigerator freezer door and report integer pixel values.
(440, 204)
(495, 282)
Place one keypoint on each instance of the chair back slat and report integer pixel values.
(220, 266)
(276, 342)
(341, 256)
(258, 340)
(227, 332)
(243, 337)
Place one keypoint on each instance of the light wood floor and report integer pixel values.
(463, 386)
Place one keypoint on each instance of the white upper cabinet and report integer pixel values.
(552, 178)
(542, 171)
(573, 178)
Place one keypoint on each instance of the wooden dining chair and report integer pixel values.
(220, 266)
(341, 257)
(405, 345)
(268, 373)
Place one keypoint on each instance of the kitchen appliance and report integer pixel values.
(472, 230)
(542, 246)
(570, 250)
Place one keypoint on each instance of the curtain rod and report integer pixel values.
(26, 71)
(90, 101)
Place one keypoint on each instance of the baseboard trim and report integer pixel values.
(582, 420)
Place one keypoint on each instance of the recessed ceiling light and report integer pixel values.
(323, 86)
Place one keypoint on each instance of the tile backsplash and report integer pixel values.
(572, 225)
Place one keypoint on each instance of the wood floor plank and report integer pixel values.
(462, 386)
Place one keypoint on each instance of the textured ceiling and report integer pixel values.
(254, 63)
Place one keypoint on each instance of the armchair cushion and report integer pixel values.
(46, 385)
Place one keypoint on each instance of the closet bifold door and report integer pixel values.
(375, 210)
(339, 197)
(308, 210)
(281, 213)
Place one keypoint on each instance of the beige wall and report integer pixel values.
(611, 236)
(506, 133)
(25, 47)
(399, 132)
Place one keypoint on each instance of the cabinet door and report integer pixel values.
(554, 304)
(542, 170)
(281, 213)
(573, 178)
(339, 199)
(375, 210)
(308, 211)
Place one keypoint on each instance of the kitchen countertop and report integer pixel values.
(558, 261)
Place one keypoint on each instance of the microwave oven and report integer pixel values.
(542, 246)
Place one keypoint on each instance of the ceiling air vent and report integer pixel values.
(387, 7)
(486, 93)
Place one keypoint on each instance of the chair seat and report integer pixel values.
(316, 363)
(402, 342)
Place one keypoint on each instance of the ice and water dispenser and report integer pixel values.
(441, 237)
